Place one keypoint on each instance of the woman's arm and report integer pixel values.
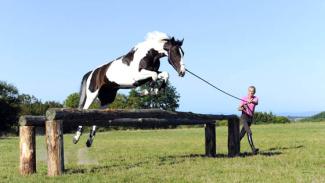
(241, 106)
(253, 101)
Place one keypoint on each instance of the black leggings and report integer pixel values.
(246, 120)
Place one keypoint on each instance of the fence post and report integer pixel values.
(210, 140)
(27, 150)
(233, 137)
(54, 143)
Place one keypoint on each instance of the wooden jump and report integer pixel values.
(55, 119)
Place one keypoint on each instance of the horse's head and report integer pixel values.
(175, 54)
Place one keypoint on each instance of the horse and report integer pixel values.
(139, 66)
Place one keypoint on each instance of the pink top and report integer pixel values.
(249, 108)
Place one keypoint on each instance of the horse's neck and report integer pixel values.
(142, 50)
(147, 45)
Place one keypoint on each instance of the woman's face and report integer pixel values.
(251, 92)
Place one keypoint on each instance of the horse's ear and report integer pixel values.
(181, 42)
(172, 40)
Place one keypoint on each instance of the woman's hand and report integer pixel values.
(240, 108)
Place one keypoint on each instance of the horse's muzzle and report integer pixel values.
(181, 73)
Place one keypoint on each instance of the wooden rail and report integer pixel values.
(56, 118)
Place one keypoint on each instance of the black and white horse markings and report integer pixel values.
(139, 66)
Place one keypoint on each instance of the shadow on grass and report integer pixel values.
(261, 153)
(244, 154)
(285, 148)
(271, 152)
(5, 138)
(171, 160)
(104, 168)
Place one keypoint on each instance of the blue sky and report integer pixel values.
(278, 46)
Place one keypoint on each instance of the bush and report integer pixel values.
(281, 119)
(263, 117)
(222, 123)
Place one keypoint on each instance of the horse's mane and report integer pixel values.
(156, 36)
(153, 39)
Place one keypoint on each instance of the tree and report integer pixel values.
(134, 100)
(167, 100)
(9, 105)
(72, 101)
(30, 105)
(120, 102)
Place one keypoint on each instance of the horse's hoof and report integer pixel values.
(74, 140)
(89, 143)
(255, 152)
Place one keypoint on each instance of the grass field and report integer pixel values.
(289, 153)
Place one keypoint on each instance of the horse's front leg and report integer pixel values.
(158, 86)
(143, 77)
(164, 77)
(145, 74)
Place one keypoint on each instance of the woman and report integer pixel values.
(247, 106)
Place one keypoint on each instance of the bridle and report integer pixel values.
(169, 60)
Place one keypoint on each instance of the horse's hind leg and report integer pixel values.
(93, 132)
(106, 95)
(91, 136)
(89, 100)
(77, 136)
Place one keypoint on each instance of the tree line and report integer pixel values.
(316, 118)
(13, 104)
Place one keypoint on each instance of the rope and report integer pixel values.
(219, 89)
(215, 86)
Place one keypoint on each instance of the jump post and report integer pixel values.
(56, 118)
(27, 143)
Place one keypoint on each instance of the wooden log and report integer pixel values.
(210, 140)
(233, 137)
(155, 121)
(27, 150)
(55, 150)
(29, 120)
(138, 122)
(102, 117)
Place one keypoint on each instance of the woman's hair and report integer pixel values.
(252, 87)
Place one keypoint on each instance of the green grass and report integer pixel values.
(289, 153)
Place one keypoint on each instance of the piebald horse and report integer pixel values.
(139, 66)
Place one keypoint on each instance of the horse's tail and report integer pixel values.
(83, 89)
